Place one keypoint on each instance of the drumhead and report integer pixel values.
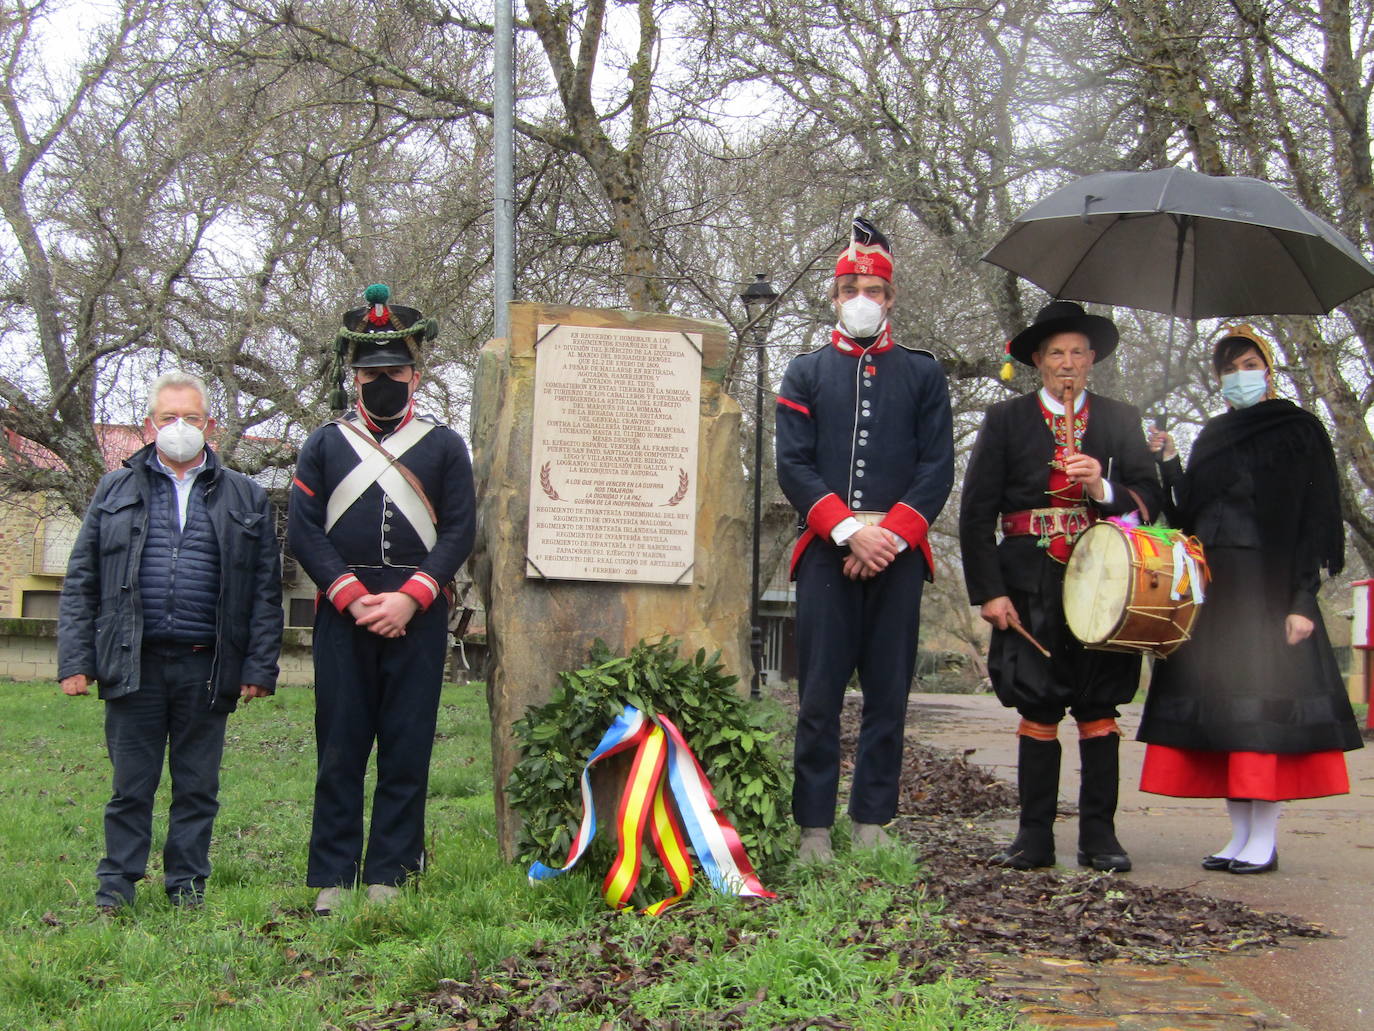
(1097, 582)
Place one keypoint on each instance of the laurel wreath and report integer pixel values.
(732, 740)
(682, 482)
(546, 482)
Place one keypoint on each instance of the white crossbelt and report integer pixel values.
(373, 467)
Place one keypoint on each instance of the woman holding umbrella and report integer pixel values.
(1253, 709)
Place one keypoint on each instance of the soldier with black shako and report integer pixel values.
(382, 516)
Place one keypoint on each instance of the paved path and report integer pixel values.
(1326, 871)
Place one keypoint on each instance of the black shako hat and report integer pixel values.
(1064, 317)
(378, 334)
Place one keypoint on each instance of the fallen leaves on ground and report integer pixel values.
(1087, 916)
(593, 973)
(1084, 916)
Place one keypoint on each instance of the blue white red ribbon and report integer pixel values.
(663, 765)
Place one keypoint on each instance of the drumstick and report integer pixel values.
(1026, 634)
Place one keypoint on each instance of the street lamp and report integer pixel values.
(760, 305)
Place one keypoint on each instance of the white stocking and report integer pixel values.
(1238, 809)
(1264, 831)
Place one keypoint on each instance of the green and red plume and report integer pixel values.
(377, 295)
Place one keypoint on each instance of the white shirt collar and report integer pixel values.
(191, 473)
(1057, 407)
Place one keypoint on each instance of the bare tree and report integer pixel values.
(162, 206)
(1280, 90)
(597, 97)
(92, 254)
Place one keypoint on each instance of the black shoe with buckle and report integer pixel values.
(1240, 866)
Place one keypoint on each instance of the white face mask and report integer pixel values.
(861, 316)
(180, 441)
(1244, 387)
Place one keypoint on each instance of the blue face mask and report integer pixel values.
(1244, 387)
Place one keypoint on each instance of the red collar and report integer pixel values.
(845, 344)
(368, 422)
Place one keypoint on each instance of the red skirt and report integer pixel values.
(1267, 776)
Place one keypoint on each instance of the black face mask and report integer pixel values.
(384, 397)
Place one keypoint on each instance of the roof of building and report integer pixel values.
(117, 442)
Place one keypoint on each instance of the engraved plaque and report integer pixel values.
(614, 455)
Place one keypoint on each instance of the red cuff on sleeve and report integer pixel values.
(906, 523)
(423, 588)
(827, 514)
(912, 527)
(344, 591)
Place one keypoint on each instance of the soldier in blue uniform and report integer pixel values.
(382, 516)
(866, 457)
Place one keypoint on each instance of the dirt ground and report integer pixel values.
(1326, 874)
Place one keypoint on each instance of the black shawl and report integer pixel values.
(1297, 493)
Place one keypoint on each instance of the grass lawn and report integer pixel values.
(255, 956)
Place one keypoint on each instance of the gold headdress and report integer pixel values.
(1245, 331)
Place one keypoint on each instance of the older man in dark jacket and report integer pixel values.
(1045, 466)
(172, 605)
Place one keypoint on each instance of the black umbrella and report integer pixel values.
(1185, 244)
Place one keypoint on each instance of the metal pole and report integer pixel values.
(503, 184)
(756, 629)
(1163, 419)
(761, 296)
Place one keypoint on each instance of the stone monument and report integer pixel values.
(612, 502)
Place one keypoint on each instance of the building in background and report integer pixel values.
(37, 532)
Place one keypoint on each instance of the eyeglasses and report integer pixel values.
(167, 418)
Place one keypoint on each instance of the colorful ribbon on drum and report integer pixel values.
(663, 763)
(1189, 566)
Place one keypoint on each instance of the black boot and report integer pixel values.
(1037, 783)
(1098, 778)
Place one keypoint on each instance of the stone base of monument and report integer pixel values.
(592, 447)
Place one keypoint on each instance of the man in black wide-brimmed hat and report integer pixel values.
(382, 516)
(1040, 488)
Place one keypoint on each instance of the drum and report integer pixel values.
(1133, 588)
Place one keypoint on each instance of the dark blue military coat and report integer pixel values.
(866, 430)
(372, 547)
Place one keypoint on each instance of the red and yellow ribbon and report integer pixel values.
(666, 787)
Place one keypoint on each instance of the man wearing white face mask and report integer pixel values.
(172, 604)
(866, 456)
